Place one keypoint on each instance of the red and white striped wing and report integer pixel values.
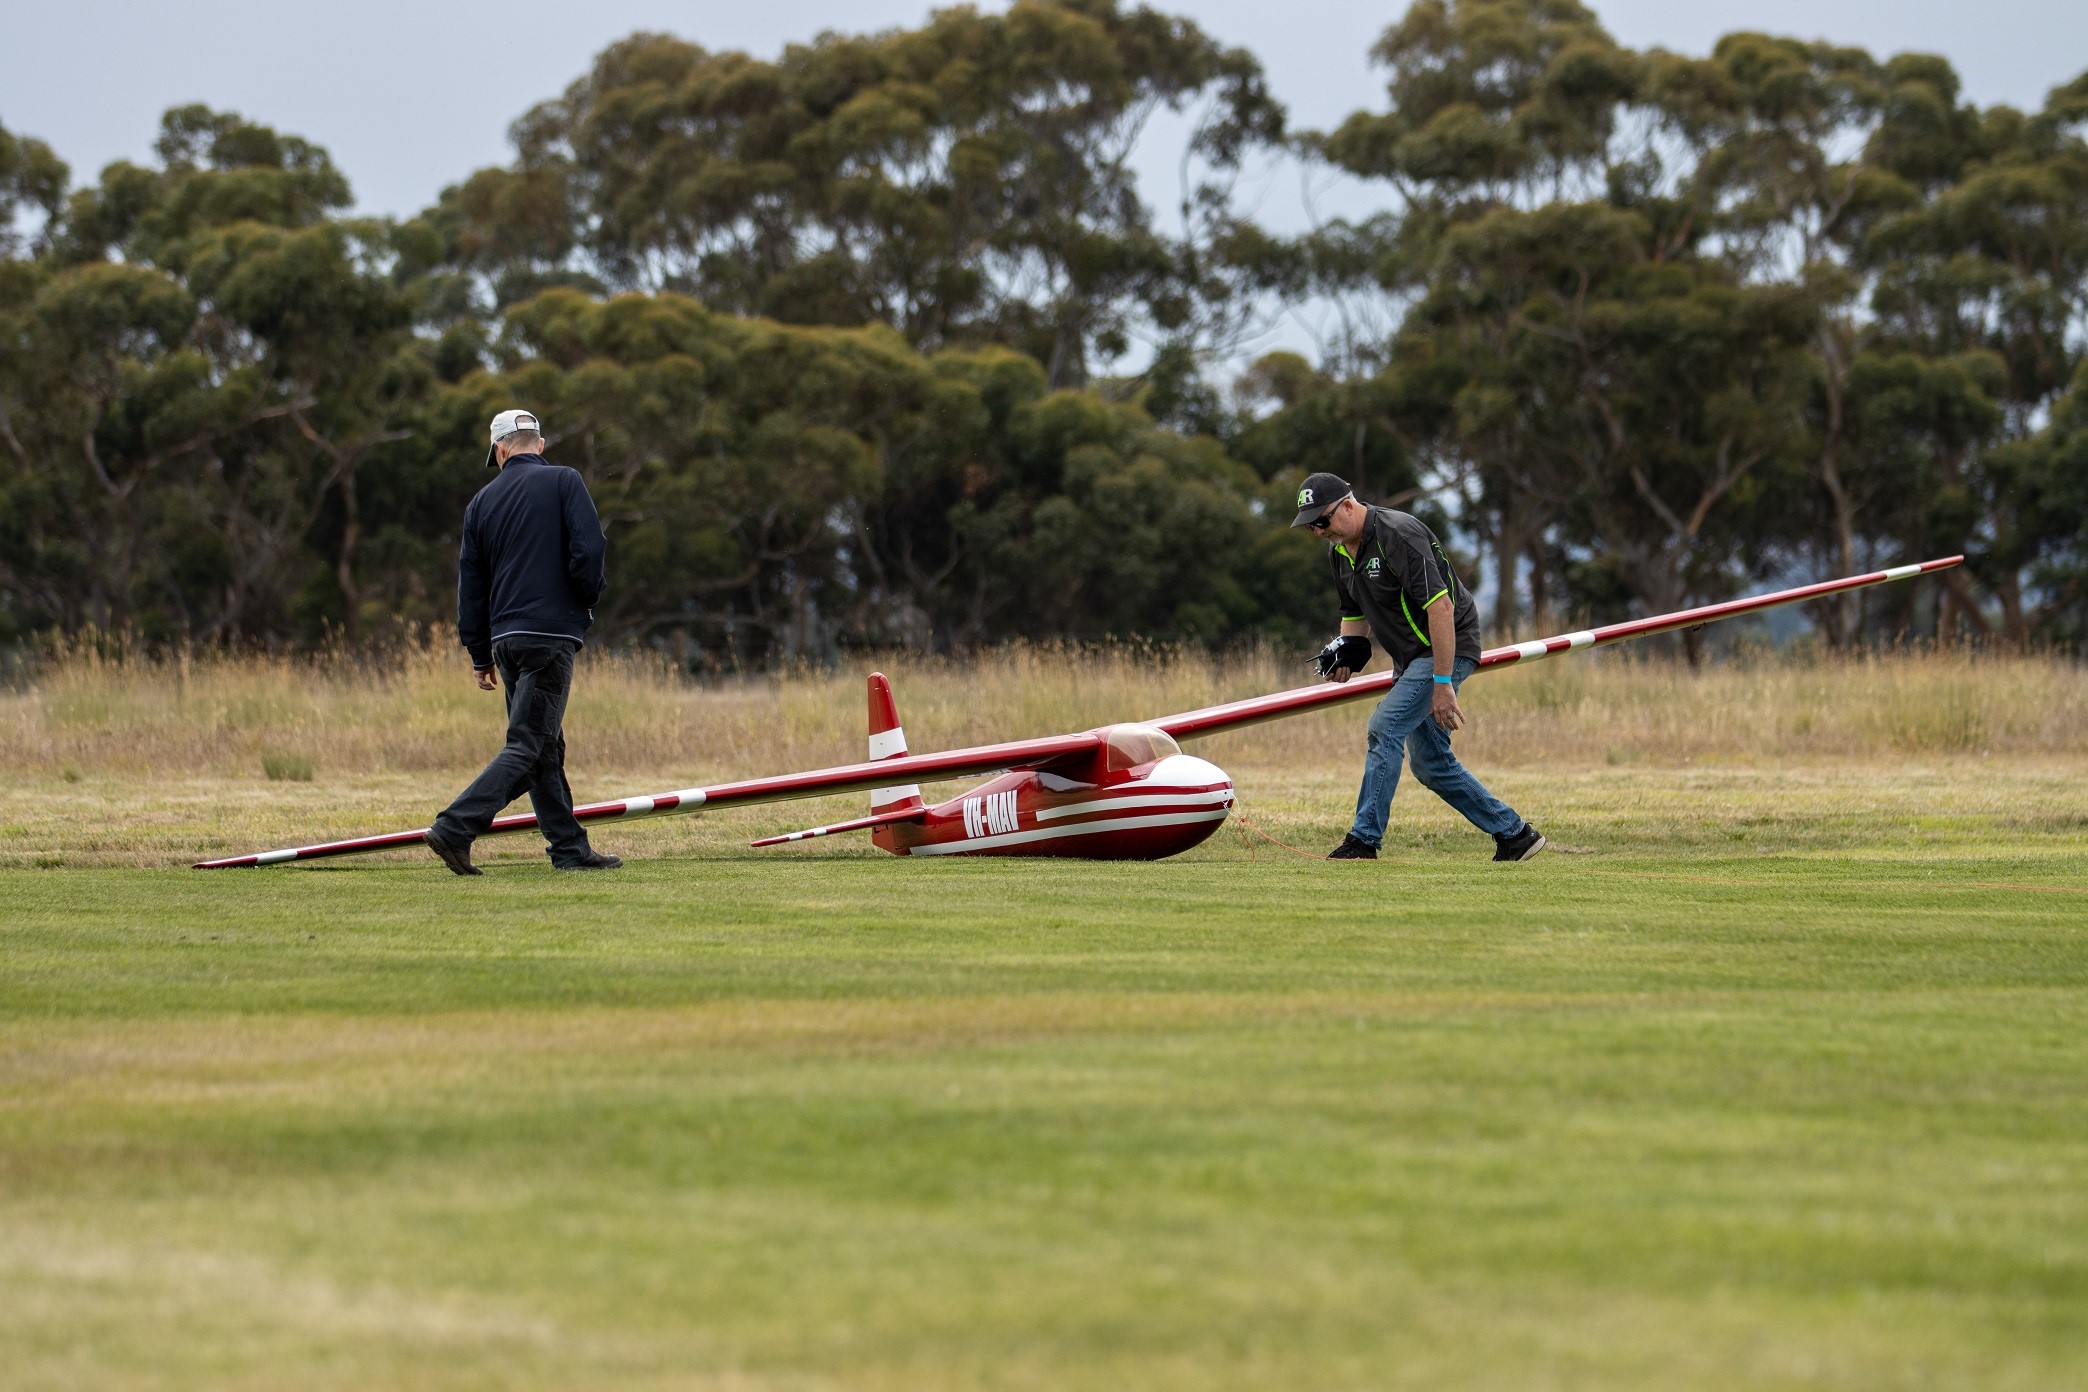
(1234, 715)
(844, 778)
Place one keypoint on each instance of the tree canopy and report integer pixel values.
(878, 342)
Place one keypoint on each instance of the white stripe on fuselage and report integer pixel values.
(1021, 838)
(1110, 804)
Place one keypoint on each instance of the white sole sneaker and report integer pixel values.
(1528, 851)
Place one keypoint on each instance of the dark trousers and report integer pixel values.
(538, 675)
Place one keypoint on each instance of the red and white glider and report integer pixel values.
(1121, 792)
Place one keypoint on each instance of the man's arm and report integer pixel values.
(474, 597)
(587, 549)
(1442, 645)
(1353, 624)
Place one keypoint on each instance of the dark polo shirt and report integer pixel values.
(1399, 569)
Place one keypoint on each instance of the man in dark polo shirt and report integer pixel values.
(529, 570)
(1396, 582)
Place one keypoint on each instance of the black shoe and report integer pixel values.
(1353, 849)
(595, 861)
(1521, 846)
(458, 861)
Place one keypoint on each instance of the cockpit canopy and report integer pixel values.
(1128, 746)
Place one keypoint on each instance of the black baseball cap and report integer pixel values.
(1318, 493)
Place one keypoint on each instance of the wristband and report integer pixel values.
(1442, 680)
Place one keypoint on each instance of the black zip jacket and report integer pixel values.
(533, 560)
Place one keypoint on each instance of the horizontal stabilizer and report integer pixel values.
(875, 819)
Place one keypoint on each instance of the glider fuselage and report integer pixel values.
(1146, 811)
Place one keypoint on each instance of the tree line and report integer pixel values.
(836, 339)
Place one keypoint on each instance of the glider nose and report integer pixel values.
(1187, 798)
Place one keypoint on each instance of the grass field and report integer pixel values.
(1778, 1077)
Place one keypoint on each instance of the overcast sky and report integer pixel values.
(410, 95)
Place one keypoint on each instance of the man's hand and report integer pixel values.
(1445, 709)
(488, 679)
(1343, 658)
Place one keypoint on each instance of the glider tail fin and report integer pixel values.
(888, 741)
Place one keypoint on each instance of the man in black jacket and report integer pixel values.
(529, 571)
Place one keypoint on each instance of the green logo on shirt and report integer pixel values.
(1370, 567)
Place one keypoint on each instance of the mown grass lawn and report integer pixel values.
(1807, 1111)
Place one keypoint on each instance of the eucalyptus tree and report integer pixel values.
(1988, 268)
(2055, 468)
(965, 182)
(1490, 102)
(203, 353)
(1766, 134)
(777, 490)
(1492, 105)
(32, 187)
(1643, 325)
(1553, 196)
(1663, 398)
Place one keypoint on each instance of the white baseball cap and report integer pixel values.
(504, 425)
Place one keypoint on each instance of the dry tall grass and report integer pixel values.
(417, 711)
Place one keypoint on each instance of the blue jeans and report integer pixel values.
(1402, 725)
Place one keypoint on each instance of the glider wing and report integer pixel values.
(844, 778)
(1234, 715)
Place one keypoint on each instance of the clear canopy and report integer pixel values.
(1127, 746)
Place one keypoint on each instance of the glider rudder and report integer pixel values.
(888, 741)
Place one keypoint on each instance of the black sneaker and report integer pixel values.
(1521, 846)
(1353, 849)
(595, 861)
(459, 861)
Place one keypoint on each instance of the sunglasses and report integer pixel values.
(1322, 522)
